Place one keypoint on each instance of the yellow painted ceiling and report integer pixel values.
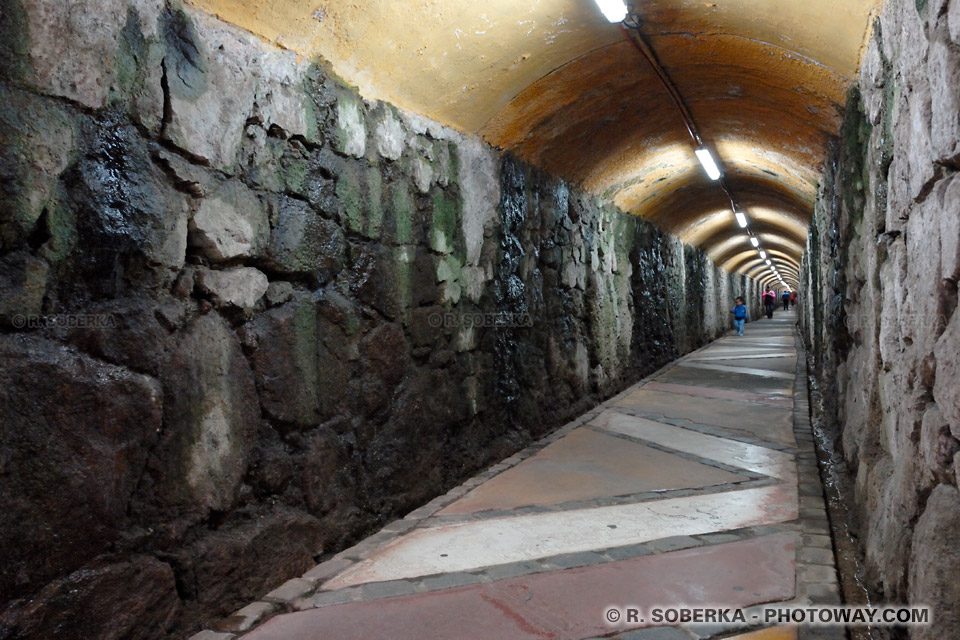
(556, 83)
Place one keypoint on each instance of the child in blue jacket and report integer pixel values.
(739, 316)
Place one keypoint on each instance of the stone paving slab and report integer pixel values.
(587, 464)
(773, 362)
(746, 456)
(721, 394)
(745, 378)
(739, 351)
(770, 423)
(472, 545)
(545, 605)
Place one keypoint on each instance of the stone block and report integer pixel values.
(131, 212)
(210, 87)
(247, 617)
(391, 589)
(303, 243)
(210, 417)
(351, 126)
(240, 287)
(817, 593)
(110, 598)
(73, 53)
(39, 143)
(449, 581)
(282, 100)
(816, 556)
(513, 570)
(946, 391)
(74, 460)
(479, 182)
(23, 284)
(953, 21)
(937, 445)
(279, 292)
(389, 134)
(630, 551)
(673, 543)
(327, 598)
(231, 223)
(935, 562)
(326, 570)
(944, 71)
(570, 560)
(290, 590)
(949, 216)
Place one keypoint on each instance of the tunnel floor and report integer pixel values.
(697, 487)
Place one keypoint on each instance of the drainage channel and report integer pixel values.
(838, 491)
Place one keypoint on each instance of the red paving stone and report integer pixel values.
(562, 605)
(586, 464)
(721, 394)
(774, 424)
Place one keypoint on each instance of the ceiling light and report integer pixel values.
(703, 154)
(763, 254)
(613, 10)
(741, 219)
(754, 242)
(768, 262)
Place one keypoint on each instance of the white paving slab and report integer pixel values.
(745, 356)
(766, 373)
(769, 462)
(472, 545)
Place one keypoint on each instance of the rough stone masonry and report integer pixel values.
(881, 269)
(273, 277)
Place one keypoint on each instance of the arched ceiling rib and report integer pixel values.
(554, 82)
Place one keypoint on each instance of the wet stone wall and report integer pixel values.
(880, 306)
(246, 317)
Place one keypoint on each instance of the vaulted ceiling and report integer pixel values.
(556, 83)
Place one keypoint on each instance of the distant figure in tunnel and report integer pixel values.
(786, 300)
(793, 298)
(769, 299)
(739, 316)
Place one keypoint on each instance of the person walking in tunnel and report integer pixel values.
(769, 299)
(785, 296)
(739, 315)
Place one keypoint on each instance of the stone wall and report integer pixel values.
(246, 316)
(880, 305)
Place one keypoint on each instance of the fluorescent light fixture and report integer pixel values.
(768, 262)
(763, 254)
(613, 10)
(754, 242)
(741, 219)
(713, 172)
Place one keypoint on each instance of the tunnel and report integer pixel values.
(463, 320)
